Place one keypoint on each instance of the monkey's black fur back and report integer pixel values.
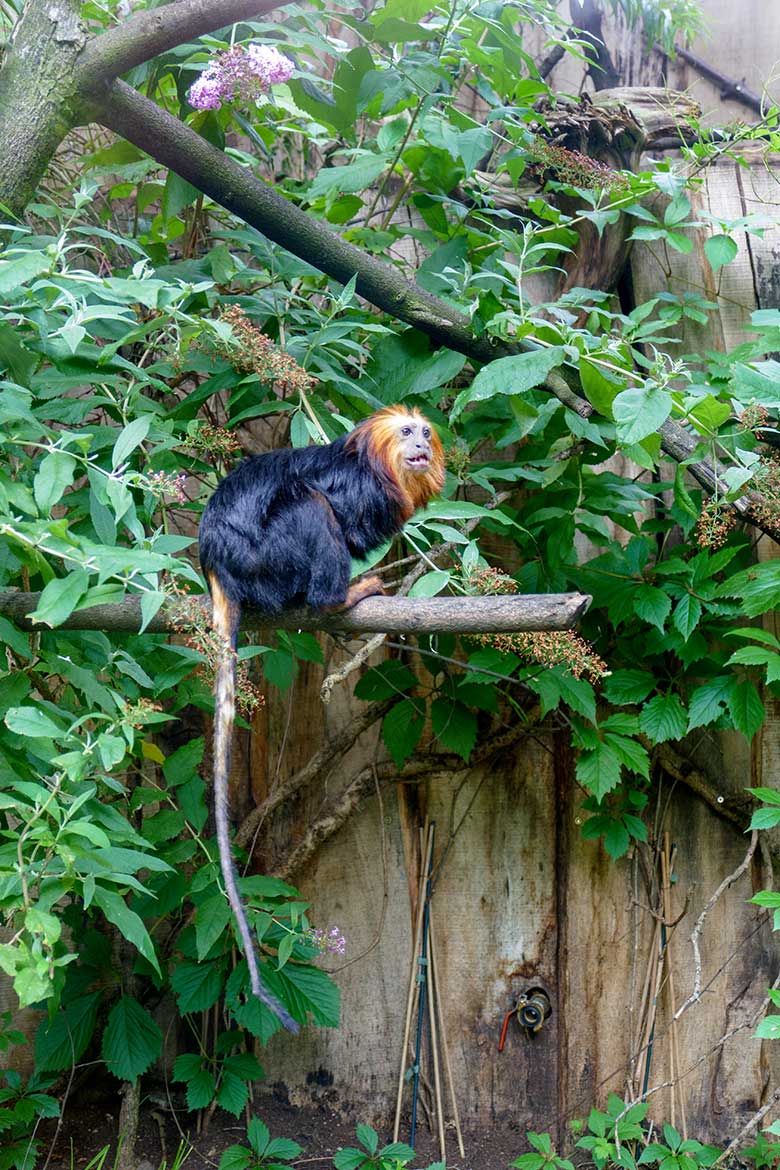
(281, 528)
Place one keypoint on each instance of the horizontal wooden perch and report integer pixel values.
(510, 613)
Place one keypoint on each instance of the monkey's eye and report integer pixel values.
(426, 433)
(406, 430)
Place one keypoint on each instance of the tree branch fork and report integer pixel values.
(508, 613)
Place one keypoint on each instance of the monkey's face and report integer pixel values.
(414, 448)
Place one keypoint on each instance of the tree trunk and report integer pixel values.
(38, 80)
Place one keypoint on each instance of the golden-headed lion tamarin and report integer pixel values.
(281, 530)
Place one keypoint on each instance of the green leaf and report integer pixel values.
(31, 723)
(62, 1041)
(258, 1135)
(129, 438)
(454, 726)
(628, 686)
(616, 839)
(768, 1028)
(236, 1158)
(15, 357)
(350, 1159)
(232, 1094)
(652, 605)
(283, 1148)
(355, 176)
(197, 985)
(599, 770)
(212, 919)
(368, 1138)
(60, 597)
(430, 584)
(131, 1040)
(708, 702)
(663, 718)
(402, 728)
(687, 614)
(746, 708)
(639, 412)
(509, 375)
(54, 475)
(720, 250)
(127, 922)
(201, 1090)
(384, 681)
(19, 270)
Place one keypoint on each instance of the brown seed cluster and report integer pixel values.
(547, 647)
(254, 353)
(753, 417)
(715, 522)
(213, 440)
(490, 581)
(765, 496)
(574, 168)
(551, 648)
(191, 620)
(457, 458)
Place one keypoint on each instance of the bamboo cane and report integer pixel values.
(435, 1045)
(443, 1036)
(412, 980)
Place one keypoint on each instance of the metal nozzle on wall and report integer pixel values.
(532, 1009)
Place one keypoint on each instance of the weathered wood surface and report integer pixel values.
(398, 615)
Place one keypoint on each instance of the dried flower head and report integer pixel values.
(490, 581)
(213, 440)
(765, 494)
(457, 458)
(251, 351)
(192, 621)
(753, 417)
(715, 522)
(551, 648)
(239, 75)
(574, 168)
(140, 712)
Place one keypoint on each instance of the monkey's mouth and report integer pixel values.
(419, 462)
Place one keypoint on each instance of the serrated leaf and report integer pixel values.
(197, 985)
(652, 605)
(628, 686)
(746, 708)
(663, 718)
(212, 919)
(368, 1138)
(232, 1094)
(384, 681)
(599, 770)
(62, 1041)
(127, 922)
(454, 726)
(201, 1090)
(708, 702)
(132, 1041)
(687, 615)
(402, 728)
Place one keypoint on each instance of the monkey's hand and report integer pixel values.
(365, 587)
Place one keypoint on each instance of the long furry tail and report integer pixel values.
(227, 615)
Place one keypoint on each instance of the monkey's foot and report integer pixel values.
(365, 587)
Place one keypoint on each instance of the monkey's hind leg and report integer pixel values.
(366, 587)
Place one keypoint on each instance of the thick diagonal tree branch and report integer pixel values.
(147, 34)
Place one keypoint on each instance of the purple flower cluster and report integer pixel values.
(240, 74)
(332, 941)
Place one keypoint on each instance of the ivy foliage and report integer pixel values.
(123, 386)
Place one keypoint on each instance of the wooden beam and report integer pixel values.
(510, 613)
